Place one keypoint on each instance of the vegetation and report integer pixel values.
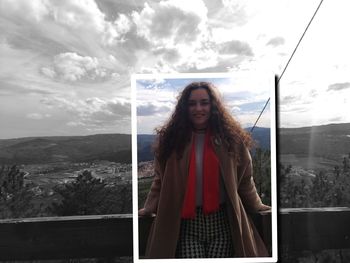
(16, 198)
(144, 186)
(88, 195)
(262, 174)
(299, 188)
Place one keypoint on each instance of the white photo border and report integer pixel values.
(270, 77)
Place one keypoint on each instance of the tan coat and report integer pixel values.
(167, 195)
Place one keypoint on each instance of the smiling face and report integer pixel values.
(199, 108)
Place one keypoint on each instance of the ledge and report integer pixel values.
(299, 229)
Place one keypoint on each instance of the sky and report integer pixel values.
(66, 66)
(244, 97)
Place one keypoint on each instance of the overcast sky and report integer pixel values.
(65, 66)
(243, 96)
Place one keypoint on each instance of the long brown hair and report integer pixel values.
(177, 131)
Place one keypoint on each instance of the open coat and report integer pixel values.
(167, 193)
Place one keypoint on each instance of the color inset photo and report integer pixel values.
(204, 167)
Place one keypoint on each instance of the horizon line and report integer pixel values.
(93, 134)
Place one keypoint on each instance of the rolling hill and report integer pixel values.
(34, 150)
(314, 147)
(144, 143)
(309, 147)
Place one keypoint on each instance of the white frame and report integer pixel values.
(200, 76)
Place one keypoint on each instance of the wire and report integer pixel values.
(295, 49)
(251, 130)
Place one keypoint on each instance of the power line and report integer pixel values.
(251, 130)
(295, 49)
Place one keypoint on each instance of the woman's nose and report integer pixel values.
(198, 106)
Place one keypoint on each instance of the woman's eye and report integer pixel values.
(201, 103)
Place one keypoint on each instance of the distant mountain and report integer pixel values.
(144, 147)
(332, 139)
(316, 146)
(34, 150)
(111, 147)
(262, 137)
(145, 141)
(307, 147)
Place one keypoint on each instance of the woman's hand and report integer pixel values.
(264, 207)
(144, 212)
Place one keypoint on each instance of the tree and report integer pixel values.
(294, 189)
(345, 164)
(88, 195)
(16, 197)
(262, 173)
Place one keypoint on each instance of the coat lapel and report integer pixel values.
(183, 164)
(224, 159)
(228, 171)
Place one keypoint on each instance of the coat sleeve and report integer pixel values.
(151, 203)
(246, 186)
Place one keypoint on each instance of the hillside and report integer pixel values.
(34, 150)
(331, 140)
(314, 147)
(144, 143)
(144, 147)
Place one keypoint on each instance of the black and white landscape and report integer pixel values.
(314, 147)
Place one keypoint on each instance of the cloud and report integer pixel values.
(178, 37)
(151, 109)
(313, 93)
(276, 41)
(63, 24)
(109, 7)
(290, 99)
(153, 84)
(80, 15)
(236, 109)
(252, 107)
(91, 111)
(294, 109)
(9, 88)
(78, 49)
(339, 86)
(336, 119)
(49, 72)
(170, 55)
(171, 22)
(118, 108)
(235, 47)
(235, 96)
(295, 103)
(37, 116)
(73, 67)
(30, 10)
(232, 13)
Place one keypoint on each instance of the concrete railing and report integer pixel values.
(111, 236)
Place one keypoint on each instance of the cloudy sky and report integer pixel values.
(245, 97)
(65, 66)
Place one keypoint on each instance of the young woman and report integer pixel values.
(203, 184)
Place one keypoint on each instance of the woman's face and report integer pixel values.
(199, 108)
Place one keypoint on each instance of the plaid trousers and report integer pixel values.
(205, 236)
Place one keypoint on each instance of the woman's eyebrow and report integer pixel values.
(199, 100)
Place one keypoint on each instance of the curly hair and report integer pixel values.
(176, 133)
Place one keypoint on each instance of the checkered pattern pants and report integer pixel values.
(206, 236)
